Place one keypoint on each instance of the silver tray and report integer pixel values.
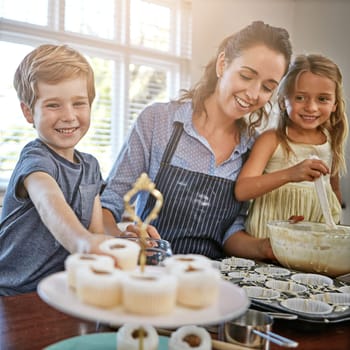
(255, 276)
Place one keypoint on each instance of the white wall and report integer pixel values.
(319, 26)
(215, 19)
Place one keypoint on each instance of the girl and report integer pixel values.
(279, 173)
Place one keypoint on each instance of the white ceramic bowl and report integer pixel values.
(311, 247)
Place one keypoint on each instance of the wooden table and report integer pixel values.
(26, 322)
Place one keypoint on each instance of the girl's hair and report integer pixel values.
(51, 64)
(337, 125)
(256, 33)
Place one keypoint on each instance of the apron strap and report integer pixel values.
(172, 144)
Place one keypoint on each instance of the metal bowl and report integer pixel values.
(253, 330)
(311, 247)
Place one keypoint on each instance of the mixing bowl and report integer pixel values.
(311, 247)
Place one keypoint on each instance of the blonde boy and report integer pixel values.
(52, 205)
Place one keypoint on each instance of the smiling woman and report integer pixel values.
(193, 148)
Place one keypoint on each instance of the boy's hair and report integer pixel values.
(337, 125)
(51, 64)
(256, 33)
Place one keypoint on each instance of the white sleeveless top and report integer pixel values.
(298, 198)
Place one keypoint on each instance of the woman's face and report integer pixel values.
(248, 82)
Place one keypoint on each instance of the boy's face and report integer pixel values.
(61, 114)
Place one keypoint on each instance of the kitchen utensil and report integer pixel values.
(253, 329)
(282, 315)
(156, 250)
(277, 339)
(322, 197)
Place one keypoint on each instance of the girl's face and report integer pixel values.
(61, 114)
(249, 81)
(312, 101)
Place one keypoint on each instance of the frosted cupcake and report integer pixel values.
(186, 260)
(126, 251)
(74, 261)
(149, 293)
(190, 338)
(198, 285)
(129, 335)
(99, 286)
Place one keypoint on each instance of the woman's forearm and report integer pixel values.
(241, 244)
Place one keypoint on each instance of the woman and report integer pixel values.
(194, 148)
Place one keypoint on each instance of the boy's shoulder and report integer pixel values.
(35, 148)
(86, 157)
(40, 149)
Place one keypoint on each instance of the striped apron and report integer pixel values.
(197, 209)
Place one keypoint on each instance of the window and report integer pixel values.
(140, 51)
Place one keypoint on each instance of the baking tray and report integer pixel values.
(253, 275)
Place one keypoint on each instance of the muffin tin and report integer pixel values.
(313, 297)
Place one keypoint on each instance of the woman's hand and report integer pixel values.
(241, 244)
(134, 230)
(266, 249)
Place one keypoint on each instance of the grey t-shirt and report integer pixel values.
(28, 251)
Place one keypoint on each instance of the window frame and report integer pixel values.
(176, 62)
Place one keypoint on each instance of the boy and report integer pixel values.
(51, 207)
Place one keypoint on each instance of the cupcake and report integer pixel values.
(76, 260)
(149, 293)
(198, 285)
(185, 260)
(190, 338)
(99, 286)
(126, 251)
(129, 337)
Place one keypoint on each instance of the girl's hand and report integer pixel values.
(308, 170)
